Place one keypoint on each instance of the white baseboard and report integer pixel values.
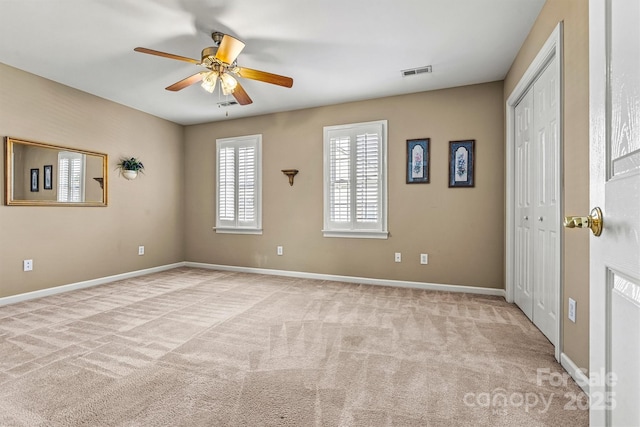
(576, 373)
(86, 284)
(303, 275)
(352, 279)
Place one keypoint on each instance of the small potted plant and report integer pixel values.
(130, 167)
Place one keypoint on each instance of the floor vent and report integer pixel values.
(416, 71)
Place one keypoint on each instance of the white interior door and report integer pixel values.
(537, 222)
(614, 74)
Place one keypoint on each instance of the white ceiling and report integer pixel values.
(335, 50)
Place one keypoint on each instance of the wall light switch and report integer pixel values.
(572, 310)
(140, 250)
(398, 257)
(424, 258)
(279, 250)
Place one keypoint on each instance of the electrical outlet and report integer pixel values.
(27, 264)
(279, 250)
(398, 257)
(140, 250)
(572, 310)
(424, 258)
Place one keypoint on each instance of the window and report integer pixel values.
(70, 176)
(239, 187)
(355, 180)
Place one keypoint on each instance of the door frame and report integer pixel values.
(552, 48)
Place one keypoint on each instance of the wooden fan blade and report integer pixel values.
(241, 96)
(187, 82)
(166, 55)
(229, 49)
(263, 76)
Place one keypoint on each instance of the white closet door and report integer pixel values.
(537, 174)
(546, 222)
(523, 294)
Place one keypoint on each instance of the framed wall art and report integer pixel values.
(48, 177)
(462, 163)
(418, 161)
(35, 180)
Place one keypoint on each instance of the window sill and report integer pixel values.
(229, 230)
(354, 234)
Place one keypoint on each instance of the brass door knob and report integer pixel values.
(593, 221)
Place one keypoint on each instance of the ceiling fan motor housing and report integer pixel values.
(208, 56)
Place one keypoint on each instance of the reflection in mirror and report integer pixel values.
(48, 175)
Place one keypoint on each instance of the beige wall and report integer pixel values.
(71, 244)
(574, 14)
(461, 229)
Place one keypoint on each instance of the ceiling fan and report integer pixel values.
(220, 63)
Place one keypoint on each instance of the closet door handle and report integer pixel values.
(540, 218)
(526, 218)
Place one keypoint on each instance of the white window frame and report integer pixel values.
(236, 226)
(354, 229)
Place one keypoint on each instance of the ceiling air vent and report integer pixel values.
(227, 103)
(416, 71)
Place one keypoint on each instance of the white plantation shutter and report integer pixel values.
(246, 185)
(226, 184)
(340, 180)
(355, 180)
(238, 185)
(367, 178)
(71, 177)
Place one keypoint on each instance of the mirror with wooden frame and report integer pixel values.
(38, 174)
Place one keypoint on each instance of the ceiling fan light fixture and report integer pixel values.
(209, 81)
(228, 83)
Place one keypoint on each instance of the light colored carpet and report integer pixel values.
(193, 347)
